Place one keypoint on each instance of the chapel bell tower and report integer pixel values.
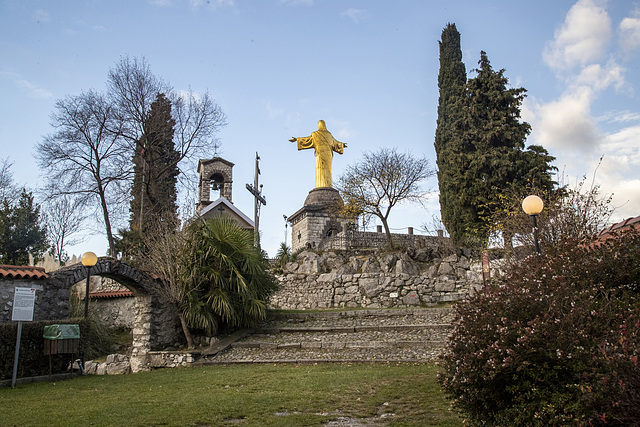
(216, 179)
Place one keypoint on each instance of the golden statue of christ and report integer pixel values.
(324, 144)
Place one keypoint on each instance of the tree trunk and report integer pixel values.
(387, 232)
(107, 221)
(186, 331)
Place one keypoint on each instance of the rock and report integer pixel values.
(388, 263)
(407, 267)
(445, 268)
(371, 287)
(370, 266)
(411, 298)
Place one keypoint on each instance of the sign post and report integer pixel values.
(23, 302)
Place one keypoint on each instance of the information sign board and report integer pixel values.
(23, 302)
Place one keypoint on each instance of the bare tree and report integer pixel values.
(133, 88)
(7, 186)
(86, 157)
(64, 219)
(383, 179)
(166, 258)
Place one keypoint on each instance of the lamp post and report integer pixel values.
(89, 259)
(532, 206)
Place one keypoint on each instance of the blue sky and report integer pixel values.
(368, 68)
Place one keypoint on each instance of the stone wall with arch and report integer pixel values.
(155, 326)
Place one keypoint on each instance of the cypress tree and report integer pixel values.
(156, 171)
(480, 144)
(449, 141)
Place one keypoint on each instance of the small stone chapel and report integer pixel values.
(215, 192)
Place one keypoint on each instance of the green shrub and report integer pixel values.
(554, 342)
(96, 340)
(32, 360)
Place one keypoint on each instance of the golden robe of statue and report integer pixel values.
(324, 144)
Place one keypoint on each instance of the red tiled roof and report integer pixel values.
(629, 222)
(22, 272)
(110, 294)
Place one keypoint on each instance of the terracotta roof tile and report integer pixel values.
(110, 294)
(22, 272)
(629, 222)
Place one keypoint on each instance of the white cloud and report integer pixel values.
(33, 91)
(617, 173)
(620, 117)
(582, 39)
(629, 30)
(599, 78)
(565, 124)
(356, 15)
(42, 15)
(272, 112)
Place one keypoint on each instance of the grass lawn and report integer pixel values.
(248, 395)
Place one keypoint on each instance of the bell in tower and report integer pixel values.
(216, 178)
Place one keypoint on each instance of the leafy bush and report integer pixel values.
(213, 274)
(554, 342)
(32, 361)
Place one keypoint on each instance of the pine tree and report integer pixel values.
(21, 231)
(156, 170)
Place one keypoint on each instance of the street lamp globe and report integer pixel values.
(532, 205)
(89, 259)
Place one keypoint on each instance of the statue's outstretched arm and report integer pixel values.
(304, 143)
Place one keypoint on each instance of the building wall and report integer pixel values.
(52, 302)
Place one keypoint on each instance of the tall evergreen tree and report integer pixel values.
(480, 144)
(156, 170)
(498, 159)
(21, 230)
(451, 82)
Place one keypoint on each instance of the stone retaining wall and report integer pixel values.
(170, 359)
(417, 277)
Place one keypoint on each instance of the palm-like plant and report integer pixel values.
(212, 274)
(227, 274)
(283, 255)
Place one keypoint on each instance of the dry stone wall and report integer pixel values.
(417, 277)
(52, 299)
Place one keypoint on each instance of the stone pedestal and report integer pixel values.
(318, 219)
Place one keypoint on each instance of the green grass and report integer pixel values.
(248, 395)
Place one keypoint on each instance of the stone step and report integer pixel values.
(320, 329)
(391, 335)
(335, 344)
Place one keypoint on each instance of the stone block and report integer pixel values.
(445, 268)
(371, 287)
(411, 298)
(445, 286)
(328, 277)
(451, 258)
(407, 267)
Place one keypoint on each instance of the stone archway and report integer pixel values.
(148, 304)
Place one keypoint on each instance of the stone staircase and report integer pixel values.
(374, 335)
